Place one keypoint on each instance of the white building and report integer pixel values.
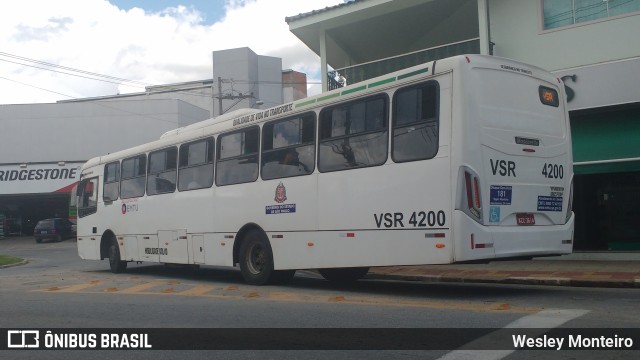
(44, 145)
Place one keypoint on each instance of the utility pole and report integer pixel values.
(220, 97)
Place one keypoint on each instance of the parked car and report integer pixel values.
(56, 229)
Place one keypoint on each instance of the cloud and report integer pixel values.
(25, 33)
(169, 46)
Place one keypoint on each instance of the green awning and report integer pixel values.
(606, 142)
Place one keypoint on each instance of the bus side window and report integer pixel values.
(415, 123)
(238, 157)
(353, 135)
(195, 167)
(111, 181)
(162, 171)
(88, 197)
(133, 172)
(288, 147)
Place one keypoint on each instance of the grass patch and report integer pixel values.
(9, 260)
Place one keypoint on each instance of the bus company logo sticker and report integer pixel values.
(494, 214)
(129, 206)
(281, 193)
(280, 198)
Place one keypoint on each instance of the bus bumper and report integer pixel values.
(477, 242)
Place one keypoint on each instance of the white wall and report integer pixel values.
(251, 73)
(77, 131)
(516, 30)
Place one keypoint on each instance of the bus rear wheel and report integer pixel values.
(115, 262)
(344, 275)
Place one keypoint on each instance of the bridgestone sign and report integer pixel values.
(38, 178)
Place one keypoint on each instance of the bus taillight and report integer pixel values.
(474, 201)
(467, 180)
(476, 192)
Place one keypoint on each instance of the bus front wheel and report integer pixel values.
(344, 275)
(256, 258)
(115, 262)
(256, 261)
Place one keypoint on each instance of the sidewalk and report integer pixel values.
(592, 273)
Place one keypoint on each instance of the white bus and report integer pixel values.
(458, 160)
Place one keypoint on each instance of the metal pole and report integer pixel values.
(219, 95)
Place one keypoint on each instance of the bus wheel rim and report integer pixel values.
(256, 259)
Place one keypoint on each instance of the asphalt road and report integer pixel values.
(57, 289)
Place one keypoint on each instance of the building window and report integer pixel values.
(133, 171)
(415, 123)
(196, 165)
(288, 147)
(238, 157)
(162, 171)
(559, 13)
(353, 135)
(111, 182)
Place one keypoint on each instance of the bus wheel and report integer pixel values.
(256, 259)
(115, 263)
(344, 275)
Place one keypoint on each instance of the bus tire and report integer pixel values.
(344, 275)
(115, 263)
(256, 259)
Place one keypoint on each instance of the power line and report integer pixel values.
(104, 104)
(118, 80)
(85, 74)
(37, 87)
(64, 70)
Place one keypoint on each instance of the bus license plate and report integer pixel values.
(525, 219)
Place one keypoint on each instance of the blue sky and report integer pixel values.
(212, 10)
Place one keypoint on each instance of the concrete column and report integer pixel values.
(323, 61)
(484, 27)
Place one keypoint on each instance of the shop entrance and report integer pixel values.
(607, 212)
(22, 212)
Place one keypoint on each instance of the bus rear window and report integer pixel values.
(514, 102)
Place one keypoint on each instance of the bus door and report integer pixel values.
(173, 246)
(86, 198)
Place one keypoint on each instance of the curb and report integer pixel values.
(23, 262)
(632, 283)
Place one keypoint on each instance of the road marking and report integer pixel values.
(543, 320)
(175, 288)
(78, 287)
(142, 287)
